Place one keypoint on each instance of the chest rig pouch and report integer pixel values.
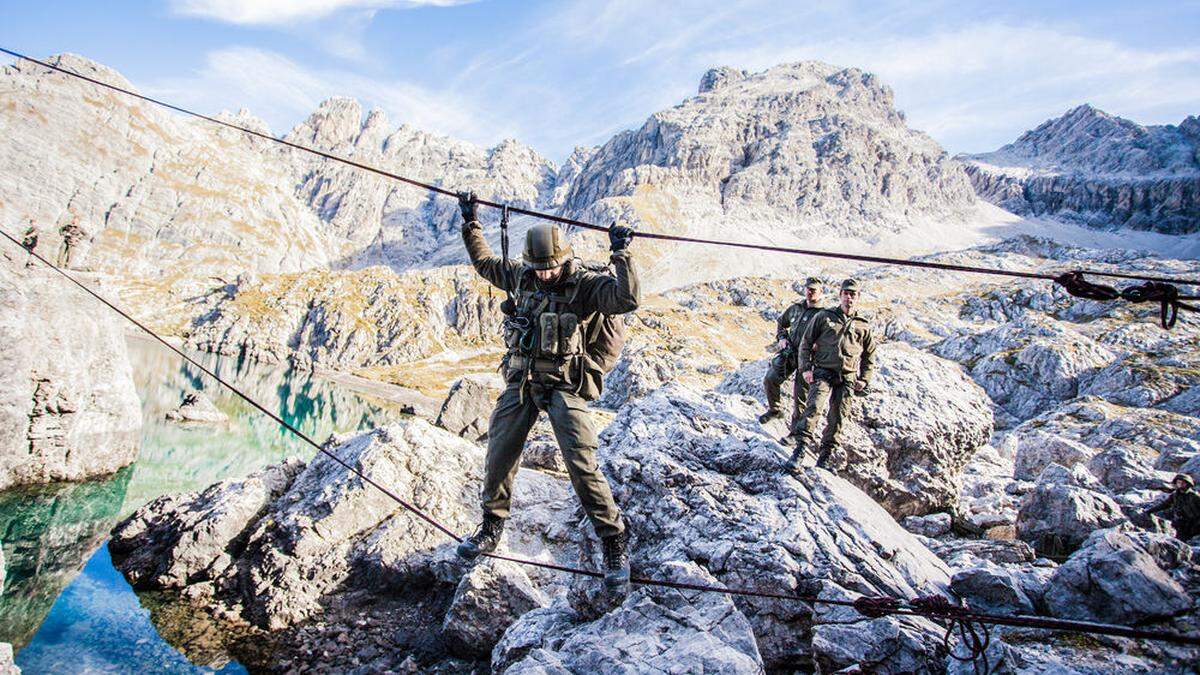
(543, 337)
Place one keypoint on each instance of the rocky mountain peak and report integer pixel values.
(337, 121)
(798, 151)
(78, 64)
(246, 120)
(716, 78)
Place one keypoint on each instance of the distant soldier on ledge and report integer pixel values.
(555, 346)
(798, 315)
(837, 359)
(1182, 507)
(72, 234)
(29, 242)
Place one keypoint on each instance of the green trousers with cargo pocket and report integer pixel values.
(826, 395)
(508, 429)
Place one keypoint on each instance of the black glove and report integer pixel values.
(468, 206)
(619, 237)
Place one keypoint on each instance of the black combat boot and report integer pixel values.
(769, 415)
(485, 539)
(823, 459)
(792, 466)
(616, 560)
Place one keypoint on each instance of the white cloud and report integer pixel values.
(283, 93)
(286, 12)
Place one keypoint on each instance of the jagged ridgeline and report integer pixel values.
(1098, 169)
(799, 151)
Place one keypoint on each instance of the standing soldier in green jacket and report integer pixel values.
(551, 366)
(784, 363)
(837, 359)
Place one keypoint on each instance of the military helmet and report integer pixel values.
(545, 247)
(850, 285)
(1188, 480)
(812, 282)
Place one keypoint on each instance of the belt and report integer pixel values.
(518, 362)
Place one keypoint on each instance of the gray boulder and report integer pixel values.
(698, 480)
(932, 525)
(994, 590)
(7, 666)
(653, 630)
(843, 639)
(1060, 512)
(468, 406)
(197, 409)
(1036, 451)
(1123, 469)
(1121, 578)
(178, 540)
(910, 437)
(490, 596)
(68, 407)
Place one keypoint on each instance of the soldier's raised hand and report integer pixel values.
(469, 207)
(860, 386)
(619, 237)
(808, 376)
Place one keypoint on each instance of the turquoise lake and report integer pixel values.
(64, 607)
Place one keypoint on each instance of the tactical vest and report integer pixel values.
(550, 344)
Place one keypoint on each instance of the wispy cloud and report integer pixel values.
(283, 92)
(288, 12)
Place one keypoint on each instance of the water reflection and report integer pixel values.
(48, 533)
(60, 620)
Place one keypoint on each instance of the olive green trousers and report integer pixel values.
(508, 429)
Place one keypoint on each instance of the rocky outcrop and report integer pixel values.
(385, 222)
(1065, 507)
(366, 318)
(1123, 578)
(1098, 169)
(68, 408)
(699, 481)
(490, 596)
(908, 438)
(468, 406)
(658, 629)
(153, 192)
(197, 408)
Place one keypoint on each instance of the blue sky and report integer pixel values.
(558, 74)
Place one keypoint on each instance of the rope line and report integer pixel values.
(933, 607)
(592, 226)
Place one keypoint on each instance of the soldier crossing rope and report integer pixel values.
(1153, 288)
(1158, 289)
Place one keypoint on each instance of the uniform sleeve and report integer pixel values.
(614, 294)
(783, 323)
(489, 265)
(804, 355)
(866, 367)
(1163, 505)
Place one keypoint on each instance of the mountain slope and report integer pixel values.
(1100, 170)
(799, 151)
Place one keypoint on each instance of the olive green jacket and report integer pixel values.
(783, 325)
(840, 343)
(604, 293)
(1180, 505)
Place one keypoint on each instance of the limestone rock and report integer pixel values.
(909, 438)
(991, 590)
(1059, 513)
(658, 629)
(699, 481)
(1116, 577)
(491, 596)
(197, 409)
(68, 407)
(932, 525)
(718, 165)
(844, 639)
(7, 667)
(468, 406)
(1036, 451)
(1098, 169)
(178, 540)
